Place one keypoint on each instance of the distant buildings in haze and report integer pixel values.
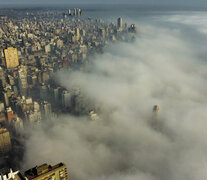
(75, 12)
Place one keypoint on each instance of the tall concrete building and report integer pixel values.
(56, 95)
(156, 122)
(69, 12)
(156, 110)
(46, 110)
(77, 33)
(66, 99)
(119, 23)
(75, 12)
(11, 57)
(43, 91)
(5, 141)
(79, 12)
(22, 80)
(45, 172)
(3, 80)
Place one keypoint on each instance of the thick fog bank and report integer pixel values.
(163, 67)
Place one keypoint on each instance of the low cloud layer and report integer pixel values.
(162, 68)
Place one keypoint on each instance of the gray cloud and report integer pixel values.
(162, 67)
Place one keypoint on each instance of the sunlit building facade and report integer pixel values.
(11, 57)
(47, 172)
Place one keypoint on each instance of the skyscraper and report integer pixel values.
(77, 33)
(157, 122)
(156, 109)
(11, 57)
(69, 12)
(22, 80)
(45, 172)
(5, 141)
(119, 23)
(46, 110)
(66, 99)
(75, 12)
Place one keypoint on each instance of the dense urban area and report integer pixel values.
(34, 45)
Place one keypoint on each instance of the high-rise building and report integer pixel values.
(17, 125)
(156, 123)
(3, 80)
(46, 110)
(156, 109)
(119, 23)
(22, 80)
(69, 12)
(2, 108)
(5, 141)
(43, 91)
(75, 12)
(56, 95)
(11, 57)
(10, 115)
(47, 172)
(77, 33)
(102, 32)
(132, 28)
(66, 99)
(79, 12)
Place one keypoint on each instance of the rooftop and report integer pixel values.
(40, 170)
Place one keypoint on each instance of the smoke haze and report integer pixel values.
(166, 65)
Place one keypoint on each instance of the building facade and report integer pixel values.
(47, 172)
(5, 141)
(11, 57)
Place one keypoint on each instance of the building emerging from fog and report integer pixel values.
(47, 172)
(22, 80)
(156, 109)
(157, 122)
(119, 23)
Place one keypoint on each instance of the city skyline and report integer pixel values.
(187, 3)
(112, 92)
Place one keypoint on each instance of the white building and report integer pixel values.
(10, 176)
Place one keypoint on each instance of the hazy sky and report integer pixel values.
(147, 2)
